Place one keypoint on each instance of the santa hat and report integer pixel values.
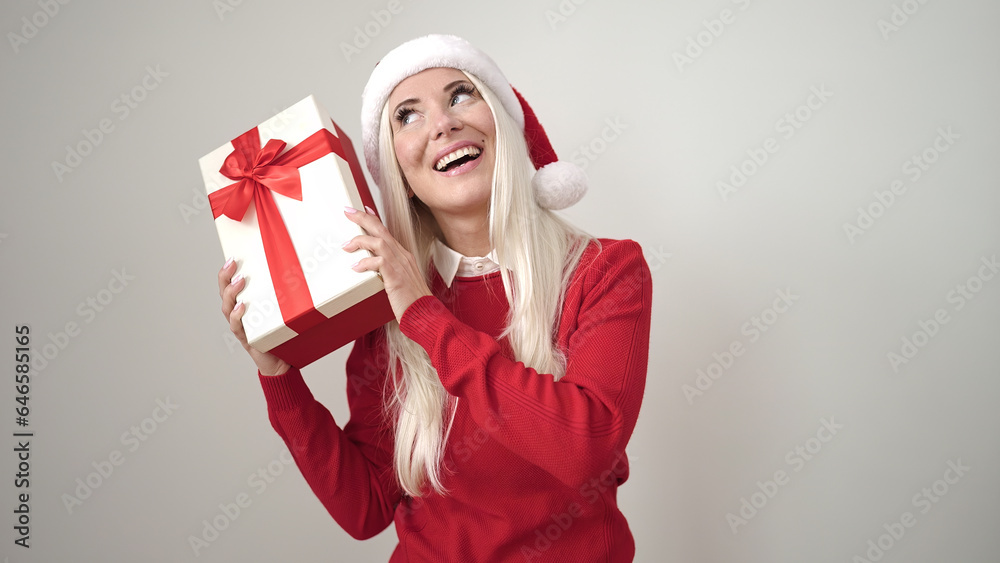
(557, 185)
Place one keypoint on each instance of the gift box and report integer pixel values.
(278, 194)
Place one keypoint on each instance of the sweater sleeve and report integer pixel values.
(575, 428)
(349, 469)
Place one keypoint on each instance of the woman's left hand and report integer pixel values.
(400, 275)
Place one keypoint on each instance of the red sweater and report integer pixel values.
(532, 465)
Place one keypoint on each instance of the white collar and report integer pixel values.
(451, 264)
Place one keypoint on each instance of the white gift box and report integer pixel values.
(349, 303)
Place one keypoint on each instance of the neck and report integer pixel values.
(466, 234)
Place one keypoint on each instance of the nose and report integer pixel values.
(444, 123)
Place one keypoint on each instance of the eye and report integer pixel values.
(461, 93)
(405, 116)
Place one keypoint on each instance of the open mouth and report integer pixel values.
(456, 159)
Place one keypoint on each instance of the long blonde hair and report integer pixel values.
(537, 252)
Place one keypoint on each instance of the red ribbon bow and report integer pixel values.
(258, 171)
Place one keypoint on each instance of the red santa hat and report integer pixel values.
(557, 185)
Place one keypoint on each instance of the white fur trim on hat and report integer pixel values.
(416, 55)
(559, 185)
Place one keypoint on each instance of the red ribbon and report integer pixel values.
(258, 171)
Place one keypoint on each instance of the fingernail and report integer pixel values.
(236, 279)
(238, 305)
(228, 263)
(350, 210)
(354, 266)
(345, 245)
(369, 210)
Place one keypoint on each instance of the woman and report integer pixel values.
(489, 420)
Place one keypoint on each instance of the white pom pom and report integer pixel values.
(559, 185)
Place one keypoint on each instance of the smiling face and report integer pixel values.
(445, 141)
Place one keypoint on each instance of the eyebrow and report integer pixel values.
(447, 87)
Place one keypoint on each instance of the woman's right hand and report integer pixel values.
(267, 363)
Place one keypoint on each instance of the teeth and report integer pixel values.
(448, 159)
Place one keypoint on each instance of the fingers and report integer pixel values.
(226, 274)
(236, 322)
(368, 242)
(378, 241)
(373, 264)
(229, 288)
(229, 293)
(368, 221)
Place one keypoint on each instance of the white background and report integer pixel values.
(132, 205)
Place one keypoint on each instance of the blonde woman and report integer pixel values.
(488, 421)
